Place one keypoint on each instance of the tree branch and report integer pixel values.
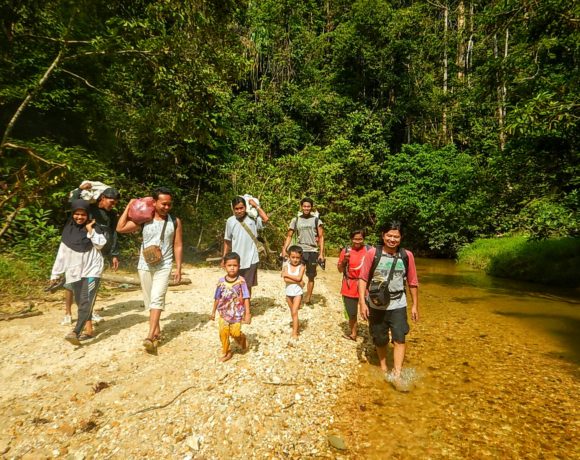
(84, 80)
(30, 96)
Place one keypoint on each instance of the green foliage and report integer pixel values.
(553, 262)
(22, 278)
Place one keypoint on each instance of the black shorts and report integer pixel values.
(351, 307)
(250, 274)
(310, 259)
(381, 321)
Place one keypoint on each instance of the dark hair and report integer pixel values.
(294, 248)
(110, 192)
(161, 191)
(306, 200)
(232, 256)
(357, 231)
(238, 200)
(392, 225)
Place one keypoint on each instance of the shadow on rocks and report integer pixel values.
(117, 308)
(113, 326)
(176, 323)
(260, 305)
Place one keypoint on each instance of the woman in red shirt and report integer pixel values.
(350, 262)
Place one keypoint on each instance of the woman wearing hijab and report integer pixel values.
(79, 258)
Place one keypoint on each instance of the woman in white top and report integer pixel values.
(155, 277)
(79, 259)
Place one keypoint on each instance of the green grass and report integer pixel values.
(21, 278)
(554, 262)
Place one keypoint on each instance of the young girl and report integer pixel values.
(292, 273)
(350, 262)
(80, 259)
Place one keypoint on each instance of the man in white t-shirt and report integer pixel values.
(241, 236)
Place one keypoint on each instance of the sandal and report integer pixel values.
(72, 337)
(349, 337)
(149, 345)
(85, 336)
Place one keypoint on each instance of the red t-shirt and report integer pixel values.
(350, 281)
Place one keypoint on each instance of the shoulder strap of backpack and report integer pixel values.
(376, 260)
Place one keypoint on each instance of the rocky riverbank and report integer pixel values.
(110, 399)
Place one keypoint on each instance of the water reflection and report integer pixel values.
(494, 367)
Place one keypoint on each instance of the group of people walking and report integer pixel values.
(373, 286)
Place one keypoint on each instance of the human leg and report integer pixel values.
(237, 334)
(399, 326)
(84, 292)
(224, 332)
(379, 331)
(68, 301)
(154, 285)
(351, 308)
(310, 259)
(294, 307)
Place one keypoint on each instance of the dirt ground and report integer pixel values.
(110, 399)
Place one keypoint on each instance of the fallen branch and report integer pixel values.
(26, 313)
(163, 405)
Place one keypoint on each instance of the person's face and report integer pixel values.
(232, 268)
(357, 241)
(306, 208)
(295, 258)
(107, 203)
(163, 205)
(240, 211)
(392, 239)
(80, 216)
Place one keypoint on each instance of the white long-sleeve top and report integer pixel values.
(76, 265)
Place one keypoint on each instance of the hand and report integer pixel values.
(251, 202)
(115, 263)
(247, 319)
(414, 313)
(86, 186)
(363, 309)
(177, 277)
(90, 225)
(212, 316)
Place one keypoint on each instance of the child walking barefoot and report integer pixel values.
(292, 273)
(232, 301)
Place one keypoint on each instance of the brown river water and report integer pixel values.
(492, 368)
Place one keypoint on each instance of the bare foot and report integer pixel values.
(226, 357)
(244, 343)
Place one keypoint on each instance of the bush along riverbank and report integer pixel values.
(551, 262)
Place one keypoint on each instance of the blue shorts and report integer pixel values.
(381, 321)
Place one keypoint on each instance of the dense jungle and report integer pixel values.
(460, 118)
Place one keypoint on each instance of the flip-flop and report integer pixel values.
(149, 345)
(84, 337)
(348, 337)
(71, 337)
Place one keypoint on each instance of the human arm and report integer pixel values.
(124, 225)
(294, 278)
(320, 242)
(178, 250)
(247, 315)
(363, 308)
(227, 248)
(98, 239)
(414, 290)
(261, 212)
(343, 259)
(215, 302)
(114, 243)
(287, 242)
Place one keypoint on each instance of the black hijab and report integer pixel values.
(73, 235)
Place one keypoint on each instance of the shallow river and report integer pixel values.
(493, 372)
